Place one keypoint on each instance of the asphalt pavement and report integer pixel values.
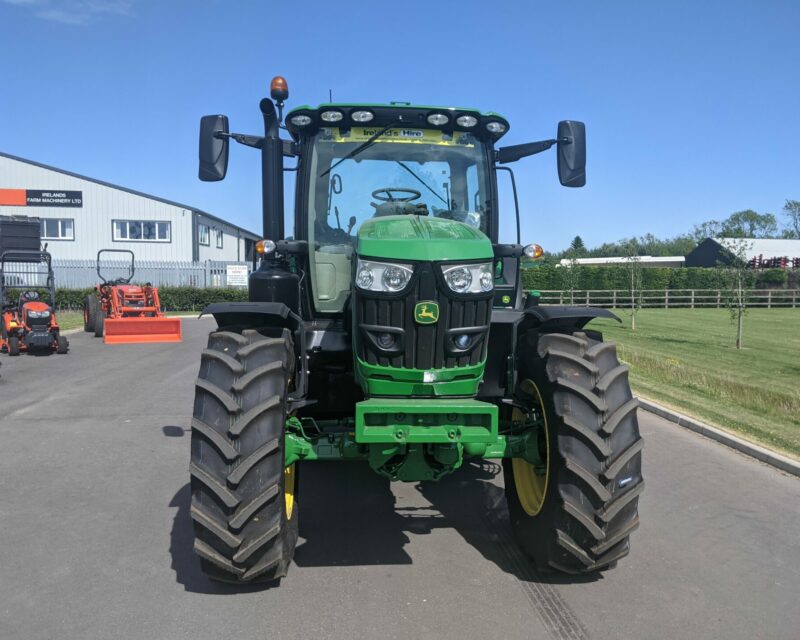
(95, 536)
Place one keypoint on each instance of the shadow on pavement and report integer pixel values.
(475, 507)
(185, 563)
(348, 517)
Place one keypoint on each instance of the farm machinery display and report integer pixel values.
(392, 328)
(28, 321)
(123, 313)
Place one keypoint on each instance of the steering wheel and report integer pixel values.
(29, 296)
(388, 197)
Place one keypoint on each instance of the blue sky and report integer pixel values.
(691, 107)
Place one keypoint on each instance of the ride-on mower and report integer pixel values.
(392, 328)
(29, 323)
(123, 313)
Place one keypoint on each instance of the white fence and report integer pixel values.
(668, 298)
(81, 274)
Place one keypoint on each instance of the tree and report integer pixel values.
(792, 211)
(709, 229)
(576, 248)
(569, 278)
(750, 224)
(736, 274)
(634, 265)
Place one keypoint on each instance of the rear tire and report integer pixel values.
(62, 344)
(99, 324)
(90, 307)
(244, 503)
(13, 346)
(581, 520)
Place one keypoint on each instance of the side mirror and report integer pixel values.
(213, 148)
(572, 153)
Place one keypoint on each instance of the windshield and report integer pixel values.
(404, 171)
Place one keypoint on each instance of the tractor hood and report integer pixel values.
(410, 237)
(35, 305)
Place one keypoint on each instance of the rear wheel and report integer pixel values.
(13, 346)
(99, 324)
(244, 503)
(62, 344)
(90, 307)
(575, 511)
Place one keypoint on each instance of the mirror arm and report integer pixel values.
(517, 151)
(241, 138)
(290, 149)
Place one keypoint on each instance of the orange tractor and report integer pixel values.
(123, 313)
(29, 323)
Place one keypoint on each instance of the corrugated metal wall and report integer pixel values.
(102, 204)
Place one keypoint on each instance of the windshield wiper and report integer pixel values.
(368, 143)
(424, 184)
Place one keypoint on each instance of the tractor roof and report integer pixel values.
(410, 115)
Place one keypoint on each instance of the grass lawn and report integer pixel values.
(686, 358)
(69, 319)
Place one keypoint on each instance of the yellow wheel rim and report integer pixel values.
(531, 486)
(288, 489)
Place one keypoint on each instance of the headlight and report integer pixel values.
(382, 276)
(469, 278)
(38, 314)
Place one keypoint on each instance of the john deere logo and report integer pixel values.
(426, 312)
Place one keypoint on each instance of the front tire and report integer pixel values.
(575, 513)
(13, 346)
(90, 309)
(99, 324)
(62, 344)
(244, 503)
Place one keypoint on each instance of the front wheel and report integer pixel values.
(244, 503)
(99, 324)
(90, 308)
(13, 346)
(575, 510)
(62, 344)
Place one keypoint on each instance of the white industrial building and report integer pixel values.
(81, 215)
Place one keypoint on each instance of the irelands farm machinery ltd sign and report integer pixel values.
(37, 198)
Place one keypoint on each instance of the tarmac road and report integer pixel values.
(95, 538)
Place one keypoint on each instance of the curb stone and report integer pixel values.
(723, 437)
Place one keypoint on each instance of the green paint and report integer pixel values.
(421, 238)
(445, 421)
(393, 381)
(426, 312)
(417, 457)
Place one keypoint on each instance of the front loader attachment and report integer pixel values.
(137, 330)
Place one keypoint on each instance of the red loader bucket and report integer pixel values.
(141, 330)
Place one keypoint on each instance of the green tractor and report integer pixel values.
(392, 329)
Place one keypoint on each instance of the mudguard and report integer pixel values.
(567, 318)
(237, 316)
(513, 329)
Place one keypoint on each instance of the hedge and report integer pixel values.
(545, 277)
(552, 278)
(172, 298)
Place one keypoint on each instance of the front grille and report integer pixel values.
(39, 324)
(423, 346)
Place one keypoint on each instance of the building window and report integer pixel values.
(141, 231)
(58, 229)
(218, 233)
(202, 235)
